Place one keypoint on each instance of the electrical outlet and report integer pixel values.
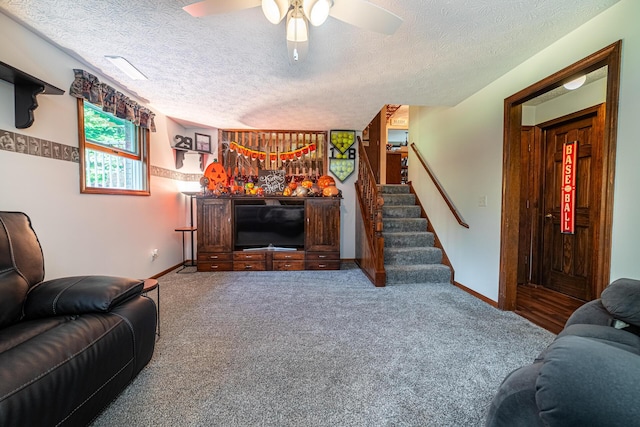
(482, 201)
(154, 254)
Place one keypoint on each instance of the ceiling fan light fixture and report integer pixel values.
(297, 27)
(275, 10)
(317, 11)
(575, 83)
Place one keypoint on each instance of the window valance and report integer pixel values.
(88, 87)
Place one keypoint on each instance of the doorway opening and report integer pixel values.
(545, 275)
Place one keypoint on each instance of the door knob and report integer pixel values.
(548, 215)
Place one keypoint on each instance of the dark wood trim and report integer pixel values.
(443, 193)
(167, 271)
(437, 243)
(610, 57)
(489, 301)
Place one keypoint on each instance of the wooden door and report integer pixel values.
(566, 258)
(555, 270)
(322, 231)
(214, 225)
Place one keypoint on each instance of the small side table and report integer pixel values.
(192, 263)
(149, 285)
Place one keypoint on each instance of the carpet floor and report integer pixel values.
(322, 349)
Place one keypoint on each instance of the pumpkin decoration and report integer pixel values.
(216, 174)
(300, 192)
(306, 183)
(286, 191)
(292, 185)
(315, 190)
(330, 191)
(325, 181)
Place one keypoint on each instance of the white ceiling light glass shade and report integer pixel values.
(297, 27)
(275, 10)
(317, 11)
(576, 83)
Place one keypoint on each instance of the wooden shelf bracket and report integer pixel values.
(26, 88)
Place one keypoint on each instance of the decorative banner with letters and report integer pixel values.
(568, 191)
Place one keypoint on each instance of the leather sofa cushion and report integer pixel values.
(13, 292)
(21, 332)
(79, 294)
(622, 299)
(56, 374)
(584, 382)
(21, 264)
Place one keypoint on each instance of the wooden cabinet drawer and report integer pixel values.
(248, 256)
(215, 257)
(215, 266)
(288, 255)
(322, 265)
(288, 265)
(249, 265)
(322, 256)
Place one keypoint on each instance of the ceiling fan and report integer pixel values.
(300, 13)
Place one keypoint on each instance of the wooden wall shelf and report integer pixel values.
(26, 88)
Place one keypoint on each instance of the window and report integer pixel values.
(114, 153)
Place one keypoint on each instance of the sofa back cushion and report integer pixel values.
(21, 264)
(622, 299)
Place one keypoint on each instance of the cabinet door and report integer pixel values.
(214, 225)
(322, 230)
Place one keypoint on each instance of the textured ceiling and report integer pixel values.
(231, 71)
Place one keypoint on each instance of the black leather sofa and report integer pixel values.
(68, 346)
(588, 376)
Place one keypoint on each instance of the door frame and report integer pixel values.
(510, 219)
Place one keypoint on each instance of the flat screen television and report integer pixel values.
(261, 226)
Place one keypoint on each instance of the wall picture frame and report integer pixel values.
(203, 143)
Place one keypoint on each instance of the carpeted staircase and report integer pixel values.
(409, 252)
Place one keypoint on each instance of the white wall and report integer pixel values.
(463, 144)
(82, 233)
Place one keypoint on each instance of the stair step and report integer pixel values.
(404, 224)
(394, 189)
(401, 211)
(412, 255)
(407, 239)
(399, 199)
(421, 273)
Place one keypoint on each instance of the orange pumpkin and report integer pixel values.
(292, 185)
(306, 183)
(330, 191)
(325, 181)
(286, 191)
(216, 174)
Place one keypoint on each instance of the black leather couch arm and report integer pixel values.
(79, 294)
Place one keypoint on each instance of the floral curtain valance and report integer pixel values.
(88, 87)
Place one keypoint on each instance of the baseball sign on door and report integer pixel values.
(568, 191)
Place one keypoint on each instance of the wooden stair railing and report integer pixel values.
(369, 240)
(444, 195)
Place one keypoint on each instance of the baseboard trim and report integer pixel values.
(168, 270)
(489, 301)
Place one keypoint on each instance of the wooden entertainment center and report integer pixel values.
(218, 248)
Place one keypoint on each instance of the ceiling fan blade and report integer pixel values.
(215, 7)
(365, 15)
